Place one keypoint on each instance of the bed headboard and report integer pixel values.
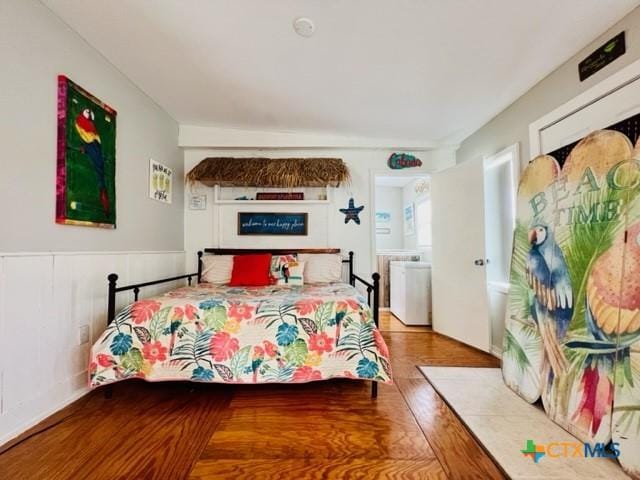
(274, 251)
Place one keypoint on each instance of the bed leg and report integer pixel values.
(374, 389)
(376, 298)
(108, 392)
(200, 265)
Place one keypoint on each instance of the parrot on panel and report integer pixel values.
(93, 149)
(612, 316)
(548, 276)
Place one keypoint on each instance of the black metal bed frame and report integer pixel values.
(373, 288)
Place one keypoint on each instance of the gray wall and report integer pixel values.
(512, 124)
(35, 46)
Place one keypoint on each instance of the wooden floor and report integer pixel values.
(317, 431)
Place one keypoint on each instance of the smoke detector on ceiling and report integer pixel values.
(303, 27)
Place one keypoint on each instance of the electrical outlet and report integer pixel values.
(83, 334)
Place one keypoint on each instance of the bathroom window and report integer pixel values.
(423, 222)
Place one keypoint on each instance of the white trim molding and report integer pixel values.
(618, 80)
(516, 169)
(72, 253)
(496, 352)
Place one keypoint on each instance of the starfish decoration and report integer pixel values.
(352, 212)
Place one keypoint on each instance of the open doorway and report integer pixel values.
(402, 245)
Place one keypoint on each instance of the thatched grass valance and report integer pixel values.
(270, 172)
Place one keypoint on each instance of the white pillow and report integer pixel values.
(217, 269)
(321, 267)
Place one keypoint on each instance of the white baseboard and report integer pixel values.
(496, 351)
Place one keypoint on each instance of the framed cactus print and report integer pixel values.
(86, 158)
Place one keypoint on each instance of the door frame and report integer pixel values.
(381, 172)
(501, 288)
(614, 82)
(516, 169)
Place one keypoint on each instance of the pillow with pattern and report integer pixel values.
(295, 274)
(280, 268)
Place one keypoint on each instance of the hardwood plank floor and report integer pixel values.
(314, 469)
(147, 430)
(345, 421)
(458, 452)
(390, 323)
(321, 430)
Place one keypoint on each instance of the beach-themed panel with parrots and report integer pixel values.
(590, 232)
(626, 394)
(85, 190)
(573, 319)
(522, 349)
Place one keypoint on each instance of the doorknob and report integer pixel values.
(479, 262)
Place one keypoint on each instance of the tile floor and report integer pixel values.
(503, 422)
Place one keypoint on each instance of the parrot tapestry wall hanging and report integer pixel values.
(86, 169)
(572, 332)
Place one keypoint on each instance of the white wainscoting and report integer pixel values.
(44, 300)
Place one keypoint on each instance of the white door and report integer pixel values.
(459, 284)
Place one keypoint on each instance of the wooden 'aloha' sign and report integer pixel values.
(573, 317)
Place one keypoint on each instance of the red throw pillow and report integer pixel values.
(251, 271)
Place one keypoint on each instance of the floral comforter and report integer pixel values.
(212, 333)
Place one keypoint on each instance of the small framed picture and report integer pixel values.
(409, 220)
(383, 217)
(160, 181)
(198, 202)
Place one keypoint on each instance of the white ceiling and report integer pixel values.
(433, 70)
